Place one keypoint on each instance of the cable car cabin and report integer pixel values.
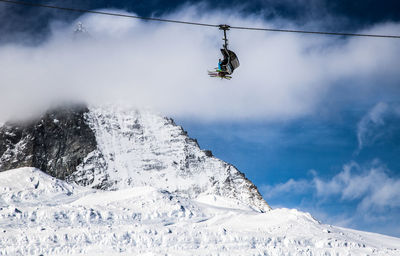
(230, 62)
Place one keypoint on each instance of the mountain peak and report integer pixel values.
(113, 148)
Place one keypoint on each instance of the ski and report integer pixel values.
(218, 74)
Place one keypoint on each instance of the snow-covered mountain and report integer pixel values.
(113, 148)
(110, 180)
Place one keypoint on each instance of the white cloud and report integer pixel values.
(371, 186)
(291, 186)
(371, 126)
(366, 197)
(366, 128)
(164, 66)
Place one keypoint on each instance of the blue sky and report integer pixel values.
(317, 128)
(285, 159)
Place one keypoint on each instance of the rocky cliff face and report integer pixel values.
(112, 148)
(56, 143)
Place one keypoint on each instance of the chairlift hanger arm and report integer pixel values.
(225, 27)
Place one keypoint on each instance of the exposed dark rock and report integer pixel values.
(55, 143)
(208, 153)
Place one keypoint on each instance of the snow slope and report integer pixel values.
(140, 148)
(42, 215)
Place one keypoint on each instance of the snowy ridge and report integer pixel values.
(140, 148)
(43, 215)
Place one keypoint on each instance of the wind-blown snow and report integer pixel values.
(42, 215)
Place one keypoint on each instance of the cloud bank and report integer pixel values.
(164, 67)
(375, 189)
(372, 189)
(373, 125)
(371, 186)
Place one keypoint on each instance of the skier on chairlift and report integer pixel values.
(219, 65)
(230, 61)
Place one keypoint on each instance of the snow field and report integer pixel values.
(42, 215)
